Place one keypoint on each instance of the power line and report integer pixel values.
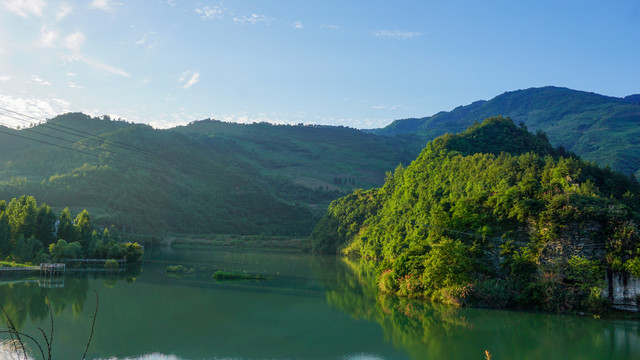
(81, 134)
(72, 149)
(85, 134)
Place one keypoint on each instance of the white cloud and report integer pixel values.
(71, 74)
(63, 10)
(253, 19)
(97, 65)
(147, 40)
(298, 25)
(75, 86)
(41, 108)
(48, 38)
(210, 12)
(192, 81)
(330, 27)
(396, 34)
(39, 80)
(74, 41)
(5, 78)
(25, 8)
(105, 5)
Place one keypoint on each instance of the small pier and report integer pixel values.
(53, 269)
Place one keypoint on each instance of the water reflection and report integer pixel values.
(310, 308)
(426, 331)
(30, 297)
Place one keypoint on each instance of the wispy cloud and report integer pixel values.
(63, 10)
(386, 107)
(193, 79)
(298, 25)
(396, 34)
(5, 78)
(74, 41)
(97, 65)
(105, 5)
(41, 108)
(75, 86)
(253, 19)
(39, 80)
(148, 40)
(208, 12)
(25, 8)
(48, 38)
(330, 27)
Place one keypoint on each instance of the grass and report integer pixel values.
(181, 271)
(226, 275)
(14, 264)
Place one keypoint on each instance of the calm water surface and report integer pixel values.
(309, 308)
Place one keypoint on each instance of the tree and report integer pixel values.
(45, 225)
(22, 214)
(5, 235)
(66, 229)
(84, 229)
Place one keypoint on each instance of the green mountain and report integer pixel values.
(207, 177)
(598, 128)
(493, 216)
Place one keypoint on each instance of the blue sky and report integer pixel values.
(361, 64)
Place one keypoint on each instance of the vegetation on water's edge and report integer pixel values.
(280, 243)
(226, 275)
(14, 264)
(33, 234)
(494, 216)
(181, 271)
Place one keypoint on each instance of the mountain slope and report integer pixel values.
(275, 180)
(483, 216)
(598, 128)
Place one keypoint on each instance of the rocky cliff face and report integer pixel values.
(575, 239)
(624, 291)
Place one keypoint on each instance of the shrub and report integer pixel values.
(111, 264)
(387, 282)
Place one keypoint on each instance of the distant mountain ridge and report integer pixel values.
(206, 177)
(599, 128)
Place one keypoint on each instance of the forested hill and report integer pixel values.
(493, 216)
(598, 128)
(251, 179)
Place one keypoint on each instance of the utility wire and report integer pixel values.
(75, 150)
(89, 136)
(86, 135)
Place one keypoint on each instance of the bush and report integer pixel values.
(493, 293)
(111, 264)
(387, 282)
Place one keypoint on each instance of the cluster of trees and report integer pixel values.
(479, 218)
(33, 234)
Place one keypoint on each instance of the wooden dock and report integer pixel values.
(44, 268)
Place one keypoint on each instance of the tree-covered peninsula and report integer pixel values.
(493, 216)
(34, 234)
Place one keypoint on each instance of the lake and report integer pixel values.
(309, 308)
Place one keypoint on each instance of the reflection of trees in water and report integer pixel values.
(408, 324)
(428, 331)
(29, 300)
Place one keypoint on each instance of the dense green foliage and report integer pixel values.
(207, 177)
(598, 128)
(34, 234)
(494, 216)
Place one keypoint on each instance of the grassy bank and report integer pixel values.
(281, 243)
